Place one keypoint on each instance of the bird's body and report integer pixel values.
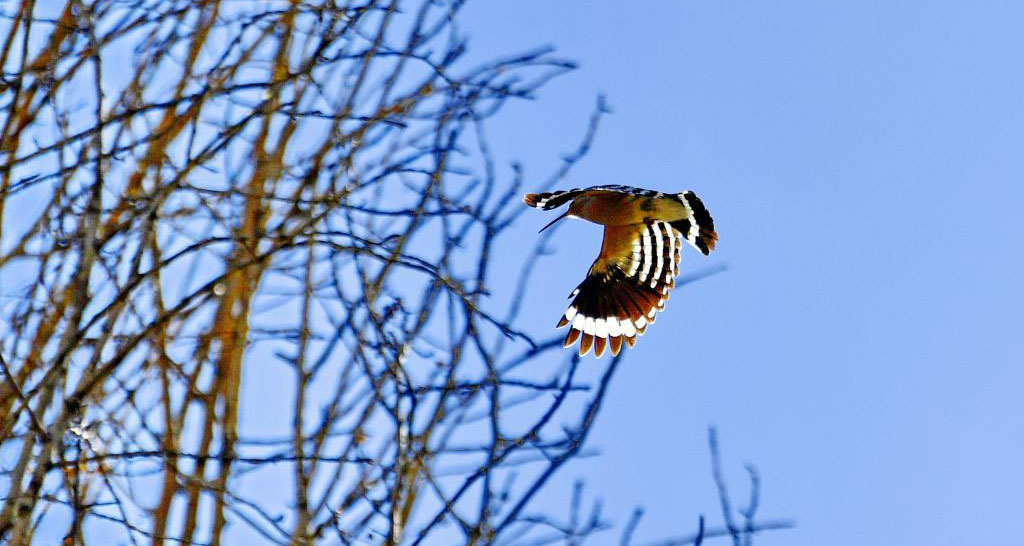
(629, 282)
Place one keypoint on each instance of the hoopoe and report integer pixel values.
(630, 280)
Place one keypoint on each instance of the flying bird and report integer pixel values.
(630, 280)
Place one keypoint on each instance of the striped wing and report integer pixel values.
(555, 199)
(625, 288)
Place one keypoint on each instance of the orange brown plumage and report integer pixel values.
(629, 282)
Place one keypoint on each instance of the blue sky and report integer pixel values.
(863, 164)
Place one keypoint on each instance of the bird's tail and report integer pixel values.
(698, 228)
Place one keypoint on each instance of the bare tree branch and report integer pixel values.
(249, 282)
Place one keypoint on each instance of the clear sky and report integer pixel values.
(863, 162)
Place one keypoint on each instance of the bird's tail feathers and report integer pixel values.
(698, 228)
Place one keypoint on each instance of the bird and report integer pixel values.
(631, 278)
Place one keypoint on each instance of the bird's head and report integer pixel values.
(576, 207)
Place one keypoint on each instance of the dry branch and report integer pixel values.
(201, 197)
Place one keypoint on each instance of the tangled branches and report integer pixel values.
(203, 197)
(245, 257)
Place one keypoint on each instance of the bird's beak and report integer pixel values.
(551, 223)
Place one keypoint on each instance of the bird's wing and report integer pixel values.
(555, 199)
(625, 288)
